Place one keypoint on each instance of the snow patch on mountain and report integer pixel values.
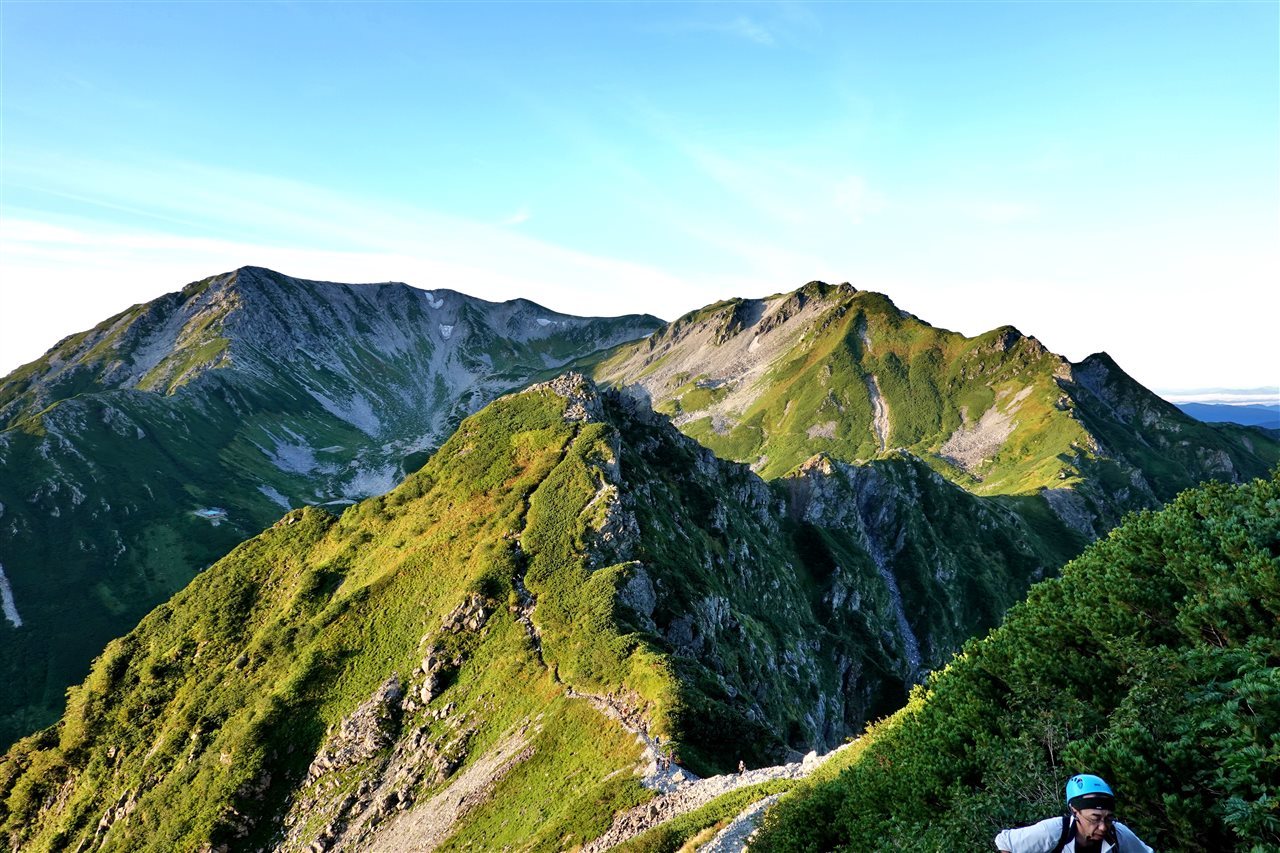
(6, 601)
(446, 331)
(274, 496)
(293, 457)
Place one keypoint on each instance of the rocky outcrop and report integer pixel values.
(337, 811)
(429, 823)
(1073, 509)
(582, 402)
(922, 597)
(397, 742)
(368, 730)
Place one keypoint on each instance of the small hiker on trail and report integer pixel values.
(742, 767)
(1089, 826)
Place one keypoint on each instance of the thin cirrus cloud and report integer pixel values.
(746, 28)
(742, 28)
(790, 189)
(183, 222)
(99, 270)
(521, 216)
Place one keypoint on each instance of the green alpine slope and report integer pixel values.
(137, 453)
(830, 369)
(447, 663)
(1154, 661)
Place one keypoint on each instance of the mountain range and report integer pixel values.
(135, 454)
(1246, 414)
(845, 373)
(738, 536)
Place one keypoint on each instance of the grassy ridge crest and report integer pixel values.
(196, 728)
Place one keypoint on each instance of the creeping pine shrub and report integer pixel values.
(1152, 662)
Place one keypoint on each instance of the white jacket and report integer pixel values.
(1043, 836)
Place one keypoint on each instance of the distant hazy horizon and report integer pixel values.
(1105, 177)
(1224, 396)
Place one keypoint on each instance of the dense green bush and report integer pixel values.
(1152, 661)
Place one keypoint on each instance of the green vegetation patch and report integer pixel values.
(1152, 662)
(200, 724)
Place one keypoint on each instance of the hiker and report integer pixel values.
(1089, 826)
(742, 767)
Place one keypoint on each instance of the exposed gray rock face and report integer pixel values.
(905, 516)
(470, 615)
(1073, 509)
(388, 741)
(426, 826)
(737, 349)
(370, 728)
(334, 813)
(973, 444)
(578, 392)
(640, 596)
(722, 589)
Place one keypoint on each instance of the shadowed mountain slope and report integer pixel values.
(422, 667)
(135, 454)
(1152, 661)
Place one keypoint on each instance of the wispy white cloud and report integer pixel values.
(64, 274)
(996, 211)
(61, 278)
(749, 29)
(521, 216)
(743, 27)
(777, 205)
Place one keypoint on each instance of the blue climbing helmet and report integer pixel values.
(1087, 787)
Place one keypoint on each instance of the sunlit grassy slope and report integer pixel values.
(773, 381)
(735, 618)
(207, 714)
(249, 392)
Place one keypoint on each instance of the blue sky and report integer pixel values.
(1104, 176)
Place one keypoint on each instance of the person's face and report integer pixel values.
(1094, 823)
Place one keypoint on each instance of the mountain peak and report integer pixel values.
(830, 369)
(1101, 360)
